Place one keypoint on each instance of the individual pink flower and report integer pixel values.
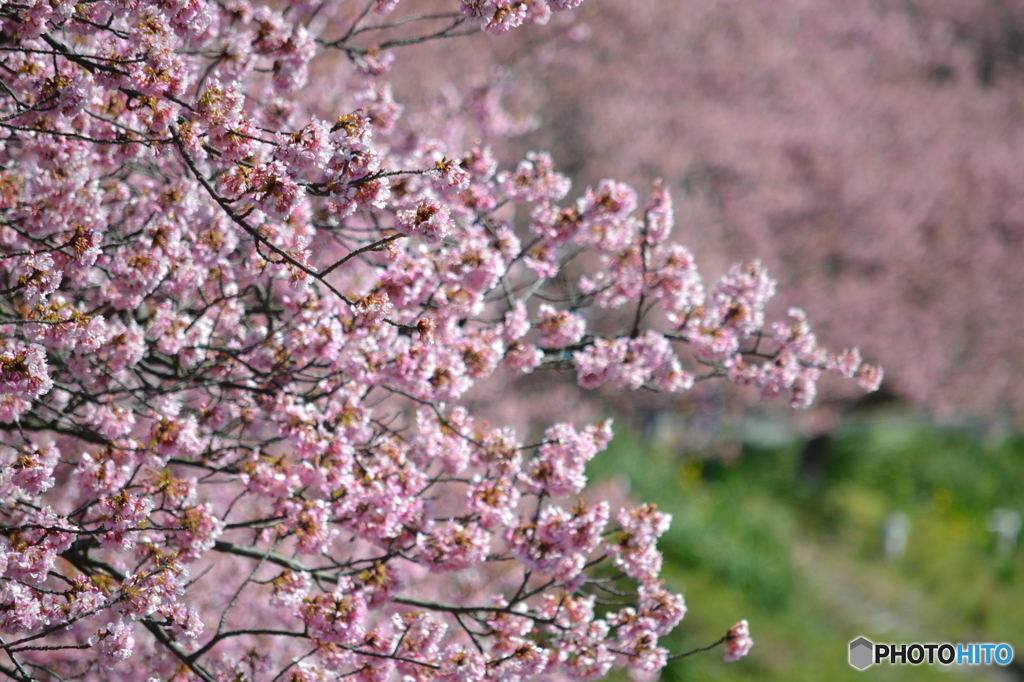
(421, 638)
(658, 215)
(634, 548)
(182, 620)
(135, 272)
(20, 609)
(500, 451)
(291, 588)
(442, 439)
(309, 148)
(542, 259)
(534, 180)
(11, 408)
(560, 540)
(664, 608)
(379, 583)
(462, 665)
(538, 12)
(123, 347)
(453, 546)
(176, 438)
(36, 277)
(672, 279)
(23, 370)
(517, 322)
(558, 468)
(115, 643)
(600, 361)
(201, 530)
(522, 357)
(735, 311)
(121, 517)
(453, 177)
(309, 520)
(559, 327)
(494, 500)
(508, 14)
(273, 190)
(845, 364)
(110, 420)
(738, 641)
(32, 470)
(429, 219)
(869, 377)
(336, 616)
(605, 212)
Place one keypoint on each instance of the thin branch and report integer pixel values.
(379, 245)
(240, 221)
(700, 649)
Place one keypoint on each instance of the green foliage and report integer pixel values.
(802, 559)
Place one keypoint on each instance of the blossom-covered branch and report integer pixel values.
(245, 311)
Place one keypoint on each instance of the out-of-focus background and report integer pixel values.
(891, 527)
(871, 153)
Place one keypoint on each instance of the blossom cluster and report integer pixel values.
(242, 337)
(806, 134)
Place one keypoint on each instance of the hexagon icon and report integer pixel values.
(861, 653)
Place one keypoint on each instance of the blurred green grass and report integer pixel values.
(801, 557)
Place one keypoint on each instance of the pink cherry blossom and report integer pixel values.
(738, 643)
(270, 345)
(115, 643)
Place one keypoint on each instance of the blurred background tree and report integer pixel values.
(870, 153)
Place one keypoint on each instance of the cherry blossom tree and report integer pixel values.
(246, 308)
